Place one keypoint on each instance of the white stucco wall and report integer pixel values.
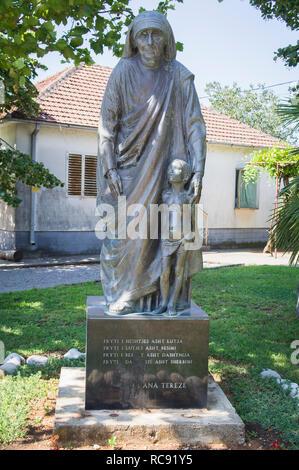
(8, 132)
(218, 195)
(7, 213)
(56, 211)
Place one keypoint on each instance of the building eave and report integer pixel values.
(47, 123)
(226, 144)
(9, 119)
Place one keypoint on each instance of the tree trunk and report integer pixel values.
(268, 247)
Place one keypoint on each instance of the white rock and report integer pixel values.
(11, 363)
(294, 390)
(291, 386)
(14, 356)
(285, 386)
(37, 360)
(269, 373)
(73, 354)
(9, 368)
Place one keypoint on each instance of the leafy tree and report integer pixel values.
(266, 161)
(257, 109)
(30, 29)
(18, 167)
(288, 12)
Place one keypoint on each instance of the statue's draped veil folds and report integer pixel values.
(148, 20)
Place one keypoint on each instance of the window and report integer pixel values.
(82, 171)
(246, 193)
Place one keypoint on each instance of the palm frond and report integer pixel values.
(285, 231)
(289, 114)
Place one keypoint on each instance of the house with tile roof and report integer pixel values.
(64, 137)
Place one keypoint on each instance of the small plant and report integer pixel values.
(38, 419)
(68, 445)
(17, 394)
(112, 441)
(48, 410)
(251, 435)
(276, 446)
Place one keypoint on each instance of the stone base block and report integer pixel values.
(137, 361)
(216, 424)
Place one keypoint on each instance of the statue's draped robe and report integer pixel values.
(144, 124)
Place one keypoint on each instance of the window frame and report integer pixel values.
(237, 207)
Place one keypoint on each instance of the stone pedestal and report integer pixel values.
(142, 361)
(217, 424)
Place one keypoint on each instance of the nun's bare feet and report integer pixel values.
(171, 311)
(161, 309)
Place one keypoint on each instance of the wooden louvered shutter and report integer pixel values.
(75, 175)
(90, 184)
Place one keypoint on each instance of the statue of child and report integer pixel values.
(173, 251)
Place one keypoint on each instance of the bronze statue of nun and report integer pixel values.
(150, 115)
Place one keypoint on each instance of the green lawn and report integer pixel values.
(252, 327)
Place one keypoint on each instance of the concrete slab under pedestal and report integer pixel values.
(218, 423)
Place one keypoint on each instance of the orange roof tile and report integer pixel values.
(74, 97)
(223, 129)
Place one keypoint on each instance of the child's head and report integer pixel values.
(178, 172)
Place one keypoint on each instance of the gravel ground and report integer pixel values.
(23, 279)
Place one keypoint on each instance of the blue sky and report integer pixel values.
(226, 42)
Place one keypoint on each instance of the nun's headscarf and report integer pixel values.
(147, 20)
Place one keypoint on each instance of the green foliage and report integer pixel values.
(269, 158)
(285, 232)
(112, 441)
(18, 167)
(17, 395)
(284, 10)
(42, 320)
(289, 54)
(289, 113)
(259, 400)
(30, 30)
(288, 12)
(249, 308)
(52, 369)
(256, 109)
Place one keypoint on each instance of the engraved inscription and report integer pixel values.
(156, 351)
(173, 385)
